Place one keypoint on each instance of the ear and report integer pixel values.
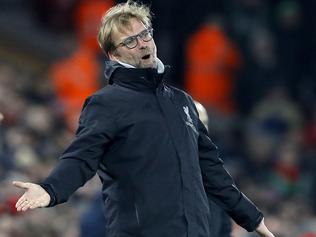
(112, 56)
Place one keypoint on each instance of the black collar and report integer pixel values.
(134, 78)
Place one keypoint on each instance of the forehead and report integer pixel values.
(134, 27)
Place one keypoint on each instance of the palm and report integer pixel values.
(34, 196)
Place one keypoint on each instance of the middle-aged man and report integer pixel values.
(143, 137)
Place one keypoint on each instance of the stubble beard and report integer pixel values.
(152, 64)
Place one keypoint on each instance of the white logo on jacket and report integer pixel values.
(189, 120)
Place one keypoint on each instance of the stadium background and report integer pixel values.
(250, 62)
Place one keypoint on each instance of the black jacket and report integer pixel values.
(154, 158)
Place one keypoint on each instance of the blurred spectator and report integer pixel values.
(78, 76)
(212, 61)
(274, 120)
(93, 219)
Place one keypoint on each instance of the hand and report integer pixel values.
(263, 231)
(34, 196)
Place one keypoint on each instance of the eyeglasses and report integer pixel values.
(131, 41)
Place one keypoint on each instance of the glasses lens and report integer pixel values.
(146, 35)
(130, 42)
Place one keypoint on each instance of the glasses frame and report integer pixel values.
(136, 37)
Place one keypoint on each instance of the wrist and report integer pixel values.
(51, 193)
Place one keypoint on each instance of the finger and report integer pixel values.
(35, 204)
(22, 205)
(31, 205)
(20, 201)
(21, 184)
(27, 206)
(18, 204)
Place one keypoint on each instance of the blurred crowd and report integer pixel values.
(251, 63)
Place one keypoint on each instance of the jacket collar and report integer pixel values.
(135, 78)
(160, 66)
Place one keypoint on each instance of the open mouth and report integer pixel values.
(147, 56)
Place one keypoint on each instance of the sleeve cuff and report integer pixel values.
(257, 222)
(48, 188)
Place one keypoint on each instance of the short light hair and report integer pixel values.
(117, 19)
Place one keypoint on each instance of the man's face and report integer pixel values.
(144, 55)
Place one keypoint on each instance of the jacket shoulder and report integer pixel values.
(181, 93)
(106, 91)
(107, 94)
(100, 97)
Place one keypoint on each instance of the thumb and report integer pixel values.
(21, 184)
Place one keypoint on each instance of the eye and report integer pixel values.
(144, 34)
(129, 41)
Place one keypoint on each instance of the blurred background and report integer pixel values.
(251, 63)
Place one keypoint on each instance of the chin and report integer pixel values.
(152, 64)
(149, 65)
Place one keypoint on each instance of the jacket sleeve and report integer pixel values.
(220, 186)
(81, 159)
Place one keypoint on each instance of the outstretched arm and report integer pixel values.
(78, 163)
(34, 196)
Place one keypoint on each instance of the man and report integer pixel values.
(144, 139)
